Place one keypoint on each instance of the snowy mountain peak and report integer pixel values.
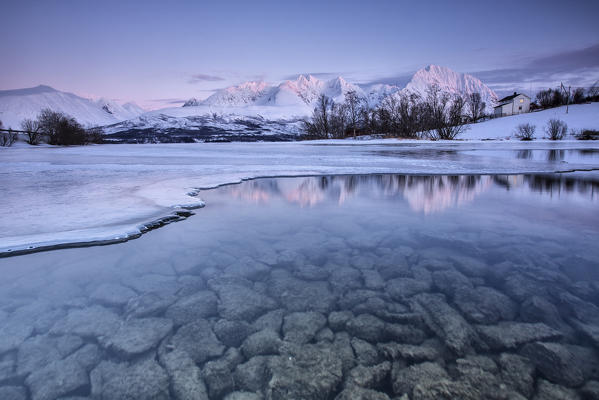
(193, 102)
(120, 111)
(28, 91)
(242, 94)
(450, 81)
(20, 104)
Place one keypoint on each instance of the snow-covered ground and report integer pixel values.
(78, 194)
(579, 116)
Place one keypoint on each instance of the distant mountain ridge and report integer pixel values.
(305, 90)
(251, 108)
(19, 104)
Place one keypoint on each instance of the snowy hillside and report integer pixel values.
(16, 105)
(452, 82)
(205, 122)
(579, 116)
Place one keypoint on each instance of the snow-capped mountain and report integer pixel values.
(17, 105)
(376, 93)
(301, 92)
(253, 109)
(120, 111)
(450, 81)
(305, 90)
(240, 95)
(258, 110)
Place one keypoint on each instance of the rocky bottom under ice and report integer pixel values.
(302, 307)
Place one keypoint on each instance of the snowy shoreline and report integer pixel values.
(108, 193)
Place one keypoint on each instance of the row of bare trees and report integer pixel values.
(56, 127)
(549, 98)
(438, 115)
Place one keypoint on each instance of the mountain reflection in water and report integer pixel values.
(424, 194)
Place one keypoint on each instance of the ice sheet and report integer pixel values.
(64, 195)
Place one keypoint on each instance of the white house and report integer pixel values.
(517, 103)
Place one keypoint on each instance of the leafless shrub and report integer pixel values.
(586, 134)
(556, 129)
(525, 131)
(33, 131)
(7, 137)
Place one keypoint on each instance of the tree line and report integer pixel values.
(438, 115)
(56, 128)
(549, 98)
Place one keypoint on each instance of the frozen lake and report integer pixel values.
(351, 286)
(80, 194)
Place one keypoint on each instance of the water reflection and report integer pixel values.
(555, 155)
(424, 194)
(524, 154)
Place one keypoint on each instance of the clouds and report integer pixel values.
(398, 80)
(569, 60)
(319, 75)
(170, 100)
(197, 78)
(578, 67)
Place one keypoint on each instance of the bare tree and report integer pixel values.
(320, 125)
(476, 106)
(32, 128)
(60, 128)
(578, 96)
(338, 120)
(405, 113)
(94, 135)
(593, 93)
(368, 118)
(545, 98)
(444, 114)
(352, 105)
(7, 137)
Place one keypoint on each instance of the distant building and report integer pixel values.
(517, 103)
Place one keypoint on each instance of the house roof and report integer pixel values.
(508, 98)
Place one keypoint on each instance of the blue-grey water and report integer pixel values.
(337, 287)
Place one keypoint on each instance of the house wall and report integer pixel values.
(520, 104)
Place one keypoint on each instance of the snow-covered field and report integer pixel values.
(579, 116)
(79, 194)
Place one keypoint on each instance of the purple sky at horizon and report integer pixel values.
(158, 53)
